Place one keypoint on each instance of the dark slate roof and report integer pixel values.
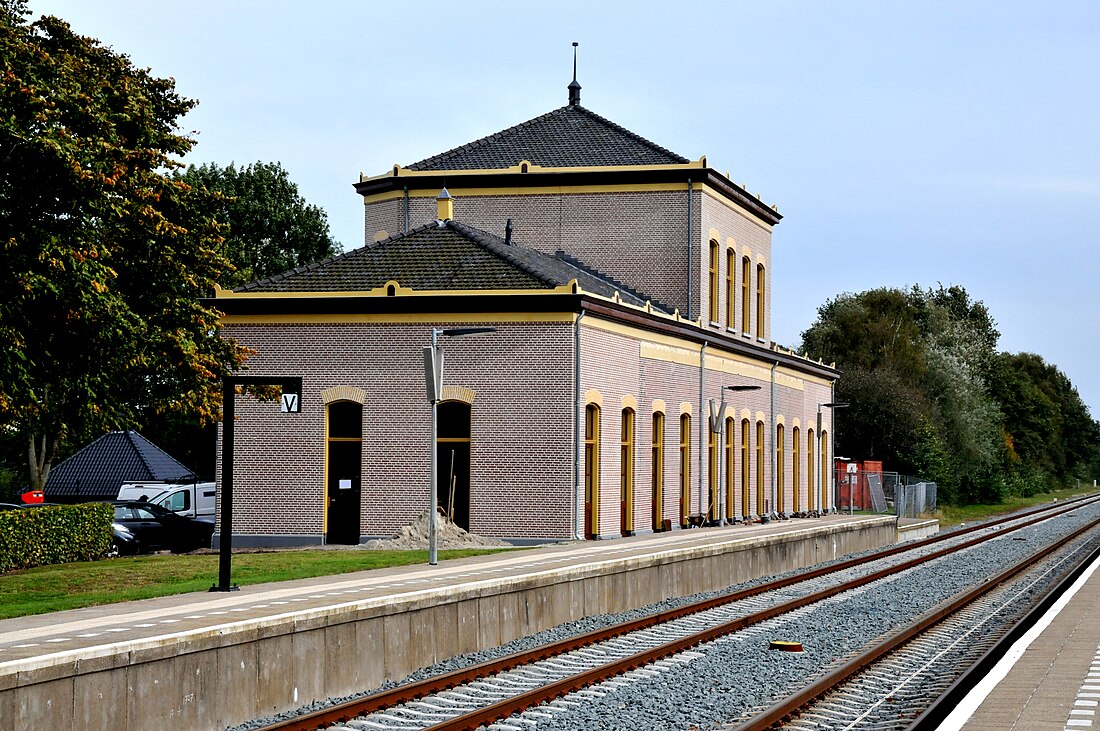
(451, 256)
(98, 470)
(568, 137)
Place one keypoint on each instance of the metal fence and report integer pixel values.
(884, 492)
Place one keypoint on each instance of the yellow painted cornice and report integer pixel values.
(393, 288)
(526, 166)
(459, 192)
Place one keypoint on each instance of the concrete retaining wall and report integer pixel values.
(226, 675)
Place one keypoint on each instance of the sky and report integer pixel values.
(904, 143)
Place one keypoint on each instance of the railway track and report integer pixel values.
(912, 667)
(533, 683)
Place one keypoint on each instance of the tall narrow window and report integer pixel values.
(658, 467)
(824, 470)
(712, 474)
(713, 289)
(746, 287)
(592, 471)
(746, 509)
(626, 491)
(796, 469)
(731, 499)
(685, 468)
(760, 300)
(810, 466)
(780, 474)
(453, 460)
(731, 277)
(760, 500)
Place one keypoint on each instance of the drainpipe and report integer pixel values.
(691, 275)
(775, 475)
(703, 447)
(578, 532)
(406, 229)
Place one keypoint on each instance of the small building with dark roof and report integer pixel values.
(98, 470)
(628, 287)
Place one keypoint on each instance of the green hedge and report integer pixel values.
(54, 534)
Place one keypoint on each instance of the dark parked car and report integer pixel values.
(155, 528)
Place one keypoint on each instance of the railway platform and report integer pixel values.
(1050, 680)
(212, 660)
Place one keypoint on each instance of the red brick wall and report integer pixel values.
(748, 236)
(638, 238)
(522, 430)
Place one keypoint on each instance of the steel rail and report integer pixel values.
(375, 702)
(935, 714)
(795, 702)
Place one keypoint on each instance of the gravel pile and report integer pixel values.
(448, 535)
(731, 677)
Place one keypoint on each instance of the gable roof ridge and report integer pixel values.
(495, 245)
(610, 280)
(336, 257)
(633, 135)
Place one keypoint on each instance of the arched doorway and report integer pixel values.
(657, 464)
(626, 491)
(453, 461)
(591, 471)
(344, 471)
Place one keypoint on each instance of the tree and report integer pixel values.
(102, 251)
(930, 393)
(270, 227)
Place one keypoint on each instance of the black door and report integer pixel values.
(453, 461)
(344, 468)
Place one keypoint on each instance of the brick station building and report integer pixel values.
(628, 286)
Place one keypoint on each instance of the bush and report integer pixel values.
(54, 534)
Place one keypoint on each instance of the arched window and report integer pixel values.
(810, 467)
(760, 300)
(731, 274)
(592, 471)
(685, 468)
(760, 500)
(824, 470)
(731, 501)
(780, 473)
(658, 467)
(713, 290)
(746, 288)
(626, 492)
(796, 469)
(746, 509)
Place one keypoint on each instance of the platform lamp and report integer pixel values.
(433, 379)
(718, 426)
(833, 405)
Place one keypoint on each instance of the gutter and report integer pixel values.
(704, 448)
(578, 529)
(771, 438)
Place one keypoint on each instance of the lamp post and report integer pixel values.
(433, 380)
(821, 442)
(718, 426)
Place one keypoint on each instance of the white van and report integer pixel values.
(191, 500)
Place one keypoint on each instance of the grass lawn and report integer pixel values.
(74, 585)
(951, 515)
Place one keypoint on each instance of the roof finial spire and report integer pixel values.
(574, 87)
